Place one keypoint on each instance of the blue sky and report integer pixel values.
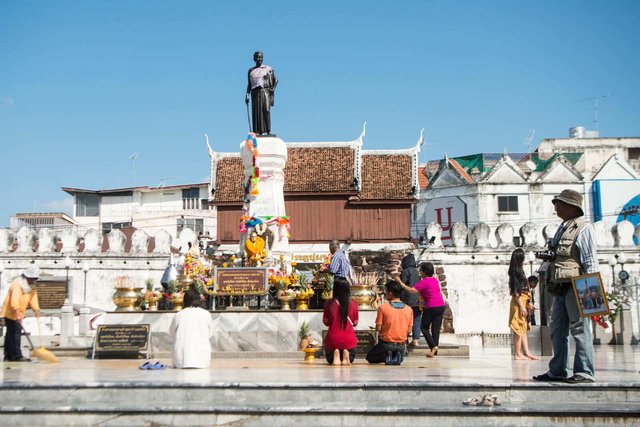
(83, 85)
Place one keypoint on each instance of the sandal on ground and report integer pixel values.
(157, 366)
(490, 400)
(146, 365)
(472, 401)
(487, 400)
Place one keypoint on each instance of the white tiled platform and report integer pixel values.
(236, 331)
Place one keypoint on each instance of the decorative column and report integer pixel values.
(264, 159)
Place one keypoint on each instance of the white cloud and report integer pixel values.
(7, 100)
(63, 205)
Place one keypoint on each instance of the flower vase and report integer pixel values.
(127, 298)
(284, 300)
(364, 295)
(177, 301)
(153, 304)
(303, 299)
(310, 354)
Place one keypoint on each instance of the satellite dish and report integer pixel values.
(530, 165)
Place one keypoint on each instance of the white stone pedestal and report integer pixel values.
(269, 202)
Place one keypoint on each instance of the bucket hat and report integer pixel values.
(31, 273)
(570, 197)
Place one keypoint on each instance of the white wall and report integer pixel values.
(151, 211)
(168, 200)
(116, 208)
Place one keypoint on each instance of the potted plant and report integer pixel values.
(305, 335)
(327, 291)
(307, 345)
(304, 293)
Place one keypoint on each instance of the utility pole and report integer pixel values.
(596, 107)
(133, 158)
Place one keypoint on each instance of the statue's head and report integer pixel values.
(253, 236)
(257, 56)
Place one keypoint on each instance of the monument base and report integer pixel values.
(271, 332)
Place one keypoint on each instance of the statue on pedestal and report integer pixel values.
(261, 84)
(254, 248)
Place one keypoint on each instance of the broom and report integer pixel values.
(41, 352)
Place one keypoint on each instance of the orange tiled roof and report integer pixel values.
(326, 170)
(319, 169)
(463, 173)
(422, 178)
(386, 177)
(229, 177)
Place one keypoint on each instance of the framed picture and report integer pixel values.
(590, 294)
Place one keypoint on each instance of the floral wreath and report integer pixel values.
(283, 223)
(261, 228)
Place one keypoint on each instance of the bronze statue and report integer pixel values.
(261, 84)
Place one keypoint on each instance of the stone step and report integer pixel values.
(358, 396)
(378, 405)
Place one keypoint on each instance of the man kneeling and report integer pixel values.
(394, 323)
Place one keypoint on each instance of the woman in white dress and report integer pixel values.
(191, 330)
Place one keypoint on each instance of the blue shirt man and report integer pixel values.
(340, 265)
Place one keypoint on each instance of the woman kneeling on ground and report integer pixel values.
(341, 316)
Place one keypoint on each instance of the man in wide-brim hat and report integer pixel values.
(21, 294)
(574, 245)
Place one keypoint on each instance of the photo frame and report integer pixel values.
(590, 295)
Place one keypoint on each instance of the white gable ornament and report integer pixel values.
(505, 171)
(560, 170)
(529, 234)
(46, 240)
(26, 238)
(6, 240)
(504, 235)
(117, 240)
(139, 242)
(480, 234)
(604, 238)
(70, 240)
(549, 231)
(446, 178)
(434, 231)
(92, 241)
(623, 233)
(162, 240)
(458, 234)
(616, 168)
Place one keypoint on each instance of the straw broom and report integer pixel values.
(41, 352)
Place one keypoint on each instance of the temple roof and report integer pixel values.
(328, 168)
(319, 169)
(229, 180)
(386, 177)
(473, 168)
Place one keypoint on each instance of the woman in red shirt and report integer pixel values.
(341, 316)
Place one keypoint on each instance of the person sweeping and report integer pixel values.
(21, 295)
